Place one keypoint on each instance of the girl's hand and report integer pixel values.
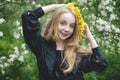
(88, 34)
(52, 7)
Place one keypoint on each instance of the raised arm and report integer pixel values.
(52, 7)
(89, 37)
(96, 61)
(31, 25)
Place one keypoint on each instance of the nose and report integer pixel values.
(67, 28)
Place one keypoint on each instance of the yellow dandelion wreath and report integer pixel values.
(80, 18)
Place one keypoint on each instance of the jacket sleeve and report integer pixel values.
(31, 27)
(95, 62)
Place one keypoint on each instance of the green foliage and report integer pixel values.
(18, 63)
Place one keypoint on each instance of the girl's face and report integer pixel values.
(66, 25)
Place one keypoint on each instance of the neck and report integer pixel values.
(60, 45)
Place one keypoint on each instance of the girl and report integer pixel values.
(59, 57)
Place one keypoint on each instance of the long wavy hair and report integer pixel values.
(71, 47)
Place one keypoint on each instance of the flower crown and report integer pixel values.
(80, 18)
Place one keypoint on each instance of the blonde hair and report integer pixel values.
(71, 47)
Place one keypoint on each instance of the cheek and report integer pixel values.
(72, 30)
(60, 27)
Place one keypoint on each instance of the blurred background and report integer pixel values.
(17, 61)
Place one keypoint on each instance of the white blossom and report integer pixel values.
(17, 23)
(117, 30)
(10, 60)
(2, 20)
(93, 16)
(109, 8)
(112, 17)
(33, 2)
(118, 44)
(107, 28)
(21, 58)
(16, 50)
(8, 0)
(107, 43)
(90, 3)
(81, 2)
(38, 5)
(6, 64)
(103, 13)
(1, 34)
(25, 52)
(23, 46)
(100, 28)
(16, 35)
(106, 2)
(101, 22)
(3, 57)
(98, 40)
(3, 72)
(12, 57)
(20, 29)
(1, 66)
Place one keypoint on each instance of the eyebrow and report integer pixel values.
(66, 21)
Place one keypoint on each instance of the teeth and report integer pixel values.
(64, 34)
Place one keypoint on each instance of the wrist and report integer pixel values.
(93, 42)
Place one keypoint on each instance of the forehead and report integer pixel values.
(68, 17)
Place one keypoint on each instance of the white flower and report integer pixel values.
(25, 52)
(10, 60)
(17, 23)
(6, 64)
(16, 50)
(106, 2)
(23, 46)
(20, 29)
(118, 44)
(12, 57)
(16, 35)
(109, 8)
(117, 30)
(2, 20)
(8, 0)
(93, 16)
(3, 57)
(33, 2)
(38, 5)
(103, 13)
(100, 28)
(107, 28)
(98, 40)
(100, 7)
(21, 58)
(1, 34)
(107, 43)
(113, 17)
(3, 72)
(1, 66)
(90, 3)
(113, 27)
(101, 22)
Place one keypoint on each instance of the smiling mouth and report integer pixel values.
(63, 34)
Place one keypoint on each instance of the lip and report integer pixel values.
(63, 34)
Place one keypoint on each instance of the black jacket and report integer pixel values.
(45, 50)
